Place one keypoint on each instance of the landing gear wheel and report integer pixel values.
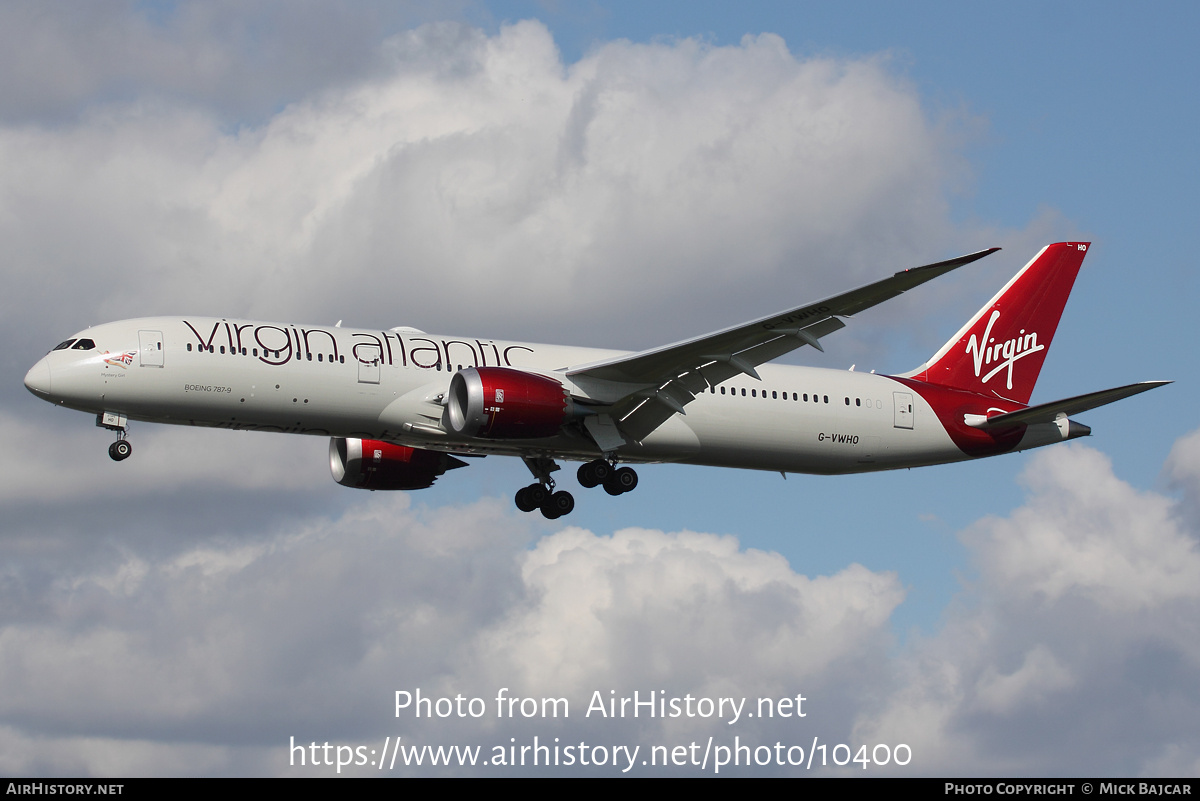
(523, 500)
(537, 495)
(557, 505)
(621, 481)
(532, 497)
(120, 450)
(593, 474)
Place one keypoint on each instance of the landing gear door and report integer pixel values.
(150, 348)
(368, 363)
(904, 409)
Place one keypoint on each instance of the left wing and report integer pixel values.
(654, 384)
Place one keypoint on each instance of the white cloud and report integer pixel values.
(469, 168)
(309, 634)
(1183, 471)
(222, 651)
(61, 58)
(1086, 533)
(649, 609)
(1075, 649)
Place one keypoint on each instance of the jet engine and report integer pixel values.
(374, 465)
(502, 403)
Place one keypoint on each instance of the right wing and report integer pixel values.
(654, 384)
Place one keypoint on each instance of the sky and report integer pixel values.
(613, 175)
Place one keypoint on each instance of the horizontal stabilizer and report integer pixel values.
(1049, 412)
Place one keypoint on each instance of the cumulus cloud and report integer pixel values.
(1077, 641)
(227, 650)
(1183, 471)
(716, 182)
(208, 659)
(63, 59)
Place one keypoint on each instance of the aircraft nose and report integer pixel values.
(37, 380)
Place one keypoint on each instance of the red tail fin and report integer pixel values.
(1001, 351)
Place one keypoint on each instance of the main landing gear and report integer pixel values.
(616, 480)
(541, 494)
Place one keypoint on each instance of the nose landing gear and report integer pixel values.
(120, 450)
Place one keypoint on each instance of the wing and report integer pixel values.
(652, 385)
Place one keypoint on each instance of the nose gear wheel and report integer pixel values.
(120, 450)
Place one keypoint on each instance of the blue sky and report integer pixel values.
(386, 165)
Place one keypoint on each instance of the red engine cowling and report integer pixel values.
(374, 465)
(501, 403)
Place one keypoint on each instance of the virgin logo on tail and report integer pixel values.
(986, 353)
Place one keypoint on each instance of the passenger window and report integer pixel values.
(222, 349)
(743, 392)
(847, 401)
(858, 401)
(189, 347)
(774, 395)
(826, 398)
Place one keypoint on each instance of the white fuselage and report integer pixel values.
(389, 385)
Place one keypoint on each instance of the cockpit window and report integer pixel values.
(84, 344)
(64, 345)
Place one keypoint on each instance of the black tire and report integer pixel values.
(593, 473)
(626, 479)
(120, 450)
(523, 500)
(621, 481)
(586, 478)
(537, 495)
(557, 505)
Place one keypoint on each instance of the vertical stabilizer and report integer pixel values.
(1001, 350)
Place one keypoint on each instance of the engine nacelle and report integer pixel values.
(374, 465)
(502, 403)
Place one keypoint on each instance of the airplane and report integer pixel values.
(402, 407)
